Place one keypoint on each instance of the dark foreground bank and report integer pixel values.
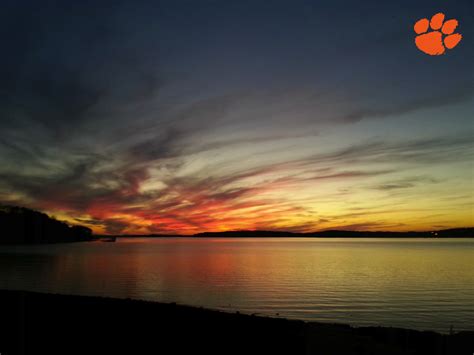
(34, 323)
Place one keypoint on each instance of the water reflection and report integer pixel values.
(422, 284)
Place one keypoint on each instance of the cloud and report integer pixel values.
(366, 226)
(101, 188)
(461, 93)
(92, 109)
(405, 183)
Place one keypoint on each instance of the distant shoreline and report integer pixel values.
(440, 234)
(23, 226)
(34, 323)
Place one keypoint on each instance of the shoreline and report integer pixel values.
(35, 322)
(99, 238)
(455, 233)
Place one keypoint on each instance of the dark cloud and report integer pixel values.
(442, 97)
(115, 226)
(405, 183)
(367, 226)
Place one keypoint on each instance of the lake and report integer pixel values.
(413, 283)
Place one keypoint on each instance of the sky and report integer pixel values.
(140, 117)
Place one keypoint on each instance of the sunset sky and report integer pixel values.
(191, 116)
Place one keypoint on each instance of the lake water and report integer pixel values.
(414, 283)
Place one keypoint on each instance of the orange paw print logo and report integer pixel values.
(435, 42)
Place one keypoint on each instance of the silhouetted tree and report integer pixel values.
(19, 225)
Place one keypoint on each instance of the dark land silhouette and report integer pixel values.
(19, 225)
(444, 233)
(34, 323)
